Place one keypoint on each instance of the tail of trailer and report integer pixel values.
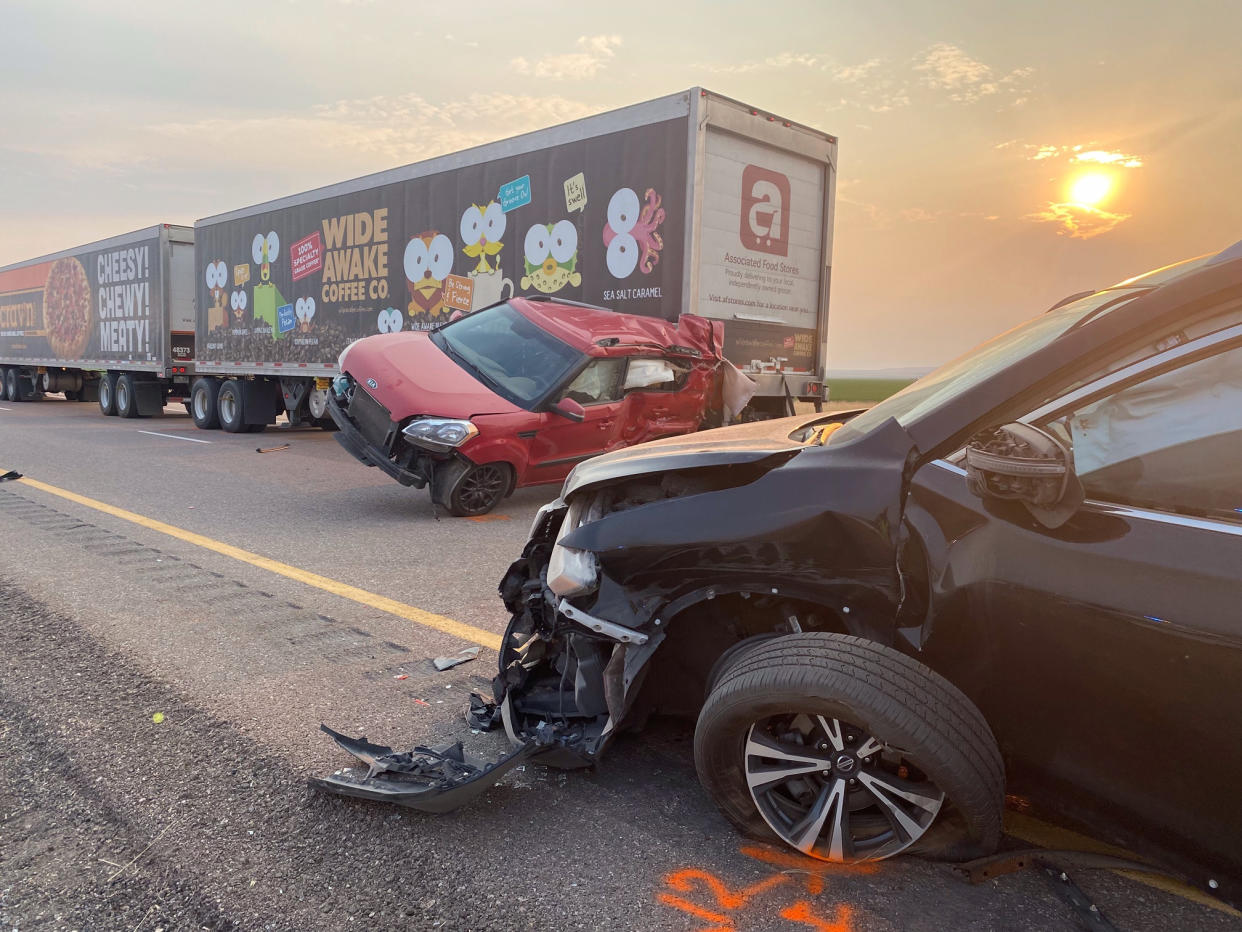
(110, 322)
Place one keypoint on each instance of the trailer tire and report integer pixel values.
(231, 408)
(203, 404)
(107, 394)
(126, 396)
(12, 391)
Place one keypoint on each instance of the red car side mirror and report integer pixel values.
(569, 408)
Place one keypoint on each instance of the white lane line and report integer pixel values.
(173, 436)
(6, 409)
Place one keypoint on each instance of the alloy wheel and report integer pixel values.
(482, 487)
(834, 792)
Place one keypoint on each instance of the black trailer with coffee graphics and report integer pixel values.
(691, 203)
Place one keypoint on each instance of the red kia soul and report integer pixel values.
(518, 393)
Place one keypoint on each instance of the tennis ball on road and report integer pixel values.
(157, 717)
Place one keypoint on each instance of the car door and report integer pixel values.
(558, 444)
(1107, 653)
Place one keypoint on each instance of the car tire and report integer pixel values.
(126, 396)
(230, 407)
(203, 404)
(808, 694)
(107, 394)
(479, 489)
(12, 389)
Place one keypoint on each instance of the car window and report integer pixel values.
(509, 353)
(599, 383)
(1170, 442)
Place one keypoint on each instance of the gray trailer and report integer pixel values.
(688, 203)
(111, 321)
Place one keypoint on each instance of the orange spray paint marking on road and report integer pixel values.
(683, 881)
(803, 913)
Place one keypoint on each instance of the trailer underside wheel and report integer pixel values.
(12, 391)
(126, 396)
(107, 393)
(202, 404)
(229, 405)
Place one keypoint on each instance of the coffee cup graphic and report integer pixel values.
(490, 288)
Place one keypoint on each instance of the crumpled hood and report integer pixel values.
(414, 376)
(741, 443)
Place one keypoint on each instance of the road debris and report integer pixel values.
(482, 714)
(11, 474)
(462, 656)
(283, 446)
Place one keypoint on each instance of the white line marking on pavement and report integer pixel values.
(6, 409)
(173, 436)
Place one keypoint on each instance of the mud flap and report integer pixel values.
(428, 779)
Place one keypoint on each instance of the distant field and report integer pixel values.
(864, 389)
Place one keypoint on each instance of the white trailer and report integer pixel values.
(111, 321)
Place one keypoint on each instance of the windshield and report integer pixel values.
(930, 392)
(508, 353)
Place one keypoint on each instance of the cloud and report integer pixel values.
(852, 74)
(394, 129)
(1109, 158)
(777, 62)
(946, 67)
(1078, 221)
(596, 52)
(1080, 153)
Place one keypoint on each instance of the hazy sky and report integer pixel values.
(962, 126)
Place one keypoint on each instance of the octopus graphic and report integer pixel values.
(630, 233)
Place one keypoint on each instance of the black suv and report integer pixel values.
(1021, 574)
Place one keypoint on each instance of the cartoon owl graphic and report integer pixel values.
(481, 230)
(217, 277)
(551, 257)
(428, 261)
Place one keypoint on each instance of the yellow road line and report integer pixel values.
(1040, 833)
(344, 590)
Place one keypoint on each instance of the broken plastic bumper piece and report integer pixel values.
(429, 779)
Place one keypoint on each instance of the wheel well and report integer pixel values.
(676, 678)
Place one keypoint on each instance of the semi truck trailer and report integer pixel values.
(688, 203)
(111, 321)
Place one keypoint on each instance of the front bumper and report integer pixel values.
(372, 447)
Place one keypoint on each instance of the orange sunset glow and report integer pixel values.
(990, 161)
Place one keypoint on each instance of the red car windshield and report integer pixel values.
(509, 354)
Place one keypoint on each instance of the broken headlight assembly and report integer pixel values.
(573, 572)
(439, 434)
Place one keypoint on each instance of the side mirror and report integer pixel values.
(568, 408)
(1022, 463)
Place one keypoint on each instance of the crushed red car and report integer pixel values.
(519, 393)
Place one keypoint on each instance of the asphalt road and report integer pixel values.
(110, 819)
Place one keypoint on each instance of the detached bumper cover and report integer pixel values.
(350, 437)
(428, 779)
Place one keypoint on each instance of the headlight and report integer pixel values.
(573, 572)
(439, 433)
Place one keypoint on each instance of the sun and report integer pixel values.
(1090, 190)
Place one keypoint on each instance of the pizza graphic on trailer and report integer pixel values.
(67, 308)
